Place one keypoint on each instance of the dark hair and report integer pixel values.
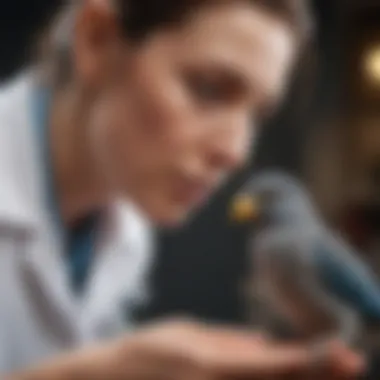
(139, 18)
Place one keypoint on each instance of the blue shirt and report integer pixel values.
(78, 240)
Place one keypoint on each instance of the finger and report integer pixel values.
(261, 361)
(343, 362)
(233, 339)
(332, 360)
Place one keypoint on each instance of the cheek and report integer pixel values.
(161, 105)
(157, 121)
(143, 136)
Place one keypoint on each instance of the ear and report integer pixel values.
(96, 42)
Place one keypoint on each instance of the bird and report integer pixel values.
(302, 272)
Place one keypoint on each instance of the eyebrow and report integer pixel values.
(249, 86)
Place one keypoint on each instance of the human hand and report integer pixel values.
(182, 350)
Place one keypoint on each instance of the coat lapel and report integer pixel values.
(119, 279)
(123, 256)
(23, 200)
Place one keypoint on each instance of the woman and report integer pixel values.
(139, 111)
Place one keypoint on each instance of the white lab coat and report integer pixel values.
(39, 314)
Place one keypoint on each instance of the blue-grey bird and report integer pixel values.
(302, 271)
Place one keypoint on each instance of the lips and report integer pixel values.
(191, 191)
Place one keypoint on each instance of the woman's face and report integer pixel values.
(176, 115)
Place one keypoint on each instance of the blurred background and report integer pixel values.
(328, 133)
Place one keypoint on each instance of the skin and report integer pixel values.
(165, 122)
(182, 350)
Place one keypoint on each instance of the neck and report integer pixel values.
(80, 190)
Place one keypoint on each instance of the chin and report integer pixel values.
(164, 212)
(171, 220)
(169, 216)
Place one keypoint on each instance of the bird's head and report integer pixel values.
(272, 198)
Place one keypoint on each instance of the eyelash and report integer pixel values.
(206, 91)
(209, 92)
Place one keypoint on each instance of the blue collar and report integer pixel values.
(78, 241)
(41, 106)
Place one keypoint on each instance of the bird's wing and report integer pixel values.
(348, 277)
(288, 278)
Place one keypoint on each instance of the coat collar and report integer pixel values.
(19, 172)
(126, 252)
(22, 193)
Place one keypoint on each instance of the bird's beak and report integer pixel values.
(245, 208)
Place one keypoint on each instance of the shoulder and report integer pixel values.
(15, 116)
(14, 97)
(12, 113)
(17, 158)
(287, 246)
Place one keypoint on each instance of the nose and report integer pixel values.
(229, 143)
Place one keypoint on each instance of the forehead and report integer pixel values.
(239, 36)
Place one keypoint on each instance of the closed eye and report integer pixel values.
(220, 86)
(213, 88)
